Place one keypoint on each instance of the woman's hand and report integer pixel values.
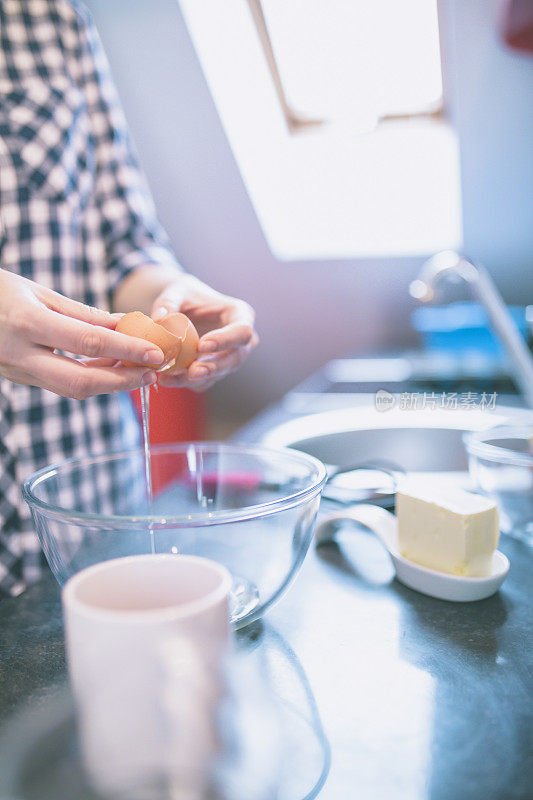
(35, 321)
(225, 326)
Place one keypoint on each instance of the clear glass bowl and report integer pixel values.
(250, 508)
(501, 465)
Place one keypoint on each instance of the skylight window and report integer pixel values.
(342, 60)
(333, 110)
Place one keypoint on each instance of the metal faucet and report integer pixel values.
(450, 263)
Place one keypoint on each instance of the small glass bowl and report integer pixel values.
(500, 462)
(249, 508)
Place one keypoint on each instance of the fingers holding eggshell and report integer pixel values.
(220, 364)
(230, 336)
(69, 377)
(138, 325)
(181, 327)
(225, 348)
(72, 308)
(56, 331)
(182, 381)
(204, 373)
(175, 336)
(102, 362)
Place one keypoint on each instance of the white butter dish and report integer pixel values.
(437, 584)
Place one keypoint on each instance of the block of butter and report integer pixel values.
(449, 530)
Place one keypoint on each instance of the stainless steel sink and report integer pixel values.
(413, 448)
(428, 440)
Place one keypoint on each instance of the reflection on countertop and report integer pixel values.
(420, 698)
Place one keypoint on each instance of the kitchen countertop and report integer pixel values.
(419, 698)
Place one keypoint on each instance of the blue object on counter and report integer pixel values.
(463, 327)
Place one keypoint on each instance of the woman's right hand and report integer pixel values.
(35, 321)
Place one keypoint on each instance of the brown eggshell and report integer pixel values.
(137, 324)
(181, 326)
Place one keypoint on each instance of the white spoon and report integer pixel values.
(422, 579)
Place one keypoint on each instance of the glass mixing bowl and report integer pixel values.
(500, 462)
(249, 508)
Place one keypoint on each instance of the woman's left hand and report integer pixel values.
(225, 326)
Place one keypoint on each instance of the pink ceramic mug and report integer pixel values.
(143, 633)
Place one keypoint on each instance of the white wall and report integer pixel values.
(492, 106)
(310, 312)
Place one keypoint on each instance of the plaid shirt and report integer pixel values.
(75, 216)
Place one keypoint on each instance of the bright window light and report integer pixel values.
(354, 186)
(335, 56)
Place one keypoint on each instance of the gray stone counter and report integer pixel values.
(420, 698)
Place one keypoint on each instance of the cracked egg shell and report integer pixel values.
(179, 325)
(137, 324)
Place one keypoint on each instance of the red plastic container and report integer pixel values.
(176, 415)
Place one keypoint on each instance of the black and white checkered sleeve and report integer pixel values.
(129, 226)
